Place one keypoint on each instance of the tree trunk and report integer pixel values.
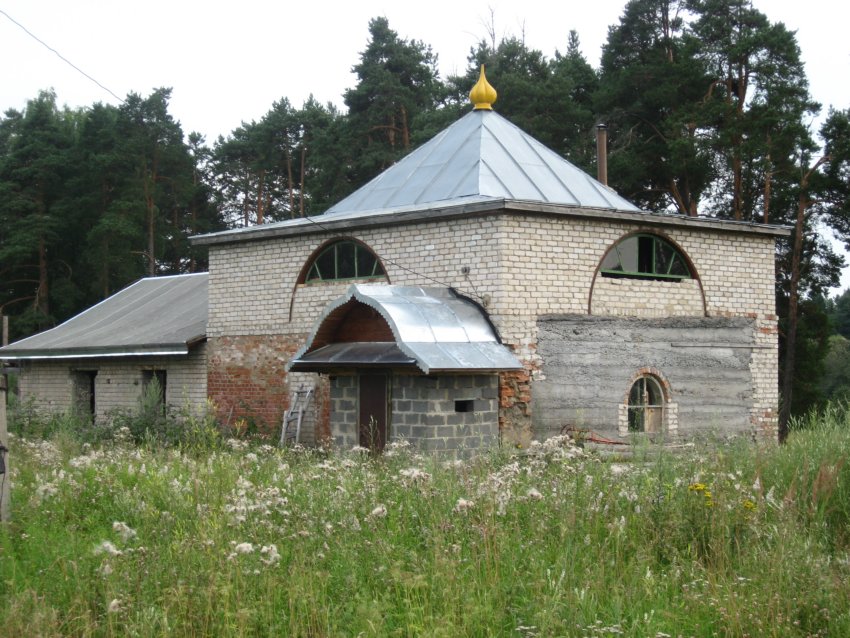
(301, 190)
(149, 181)
(791, 329)
(289, 184)
(793, 298)
(768, 180)
(405, 129)
(42, 299)
(260, 196)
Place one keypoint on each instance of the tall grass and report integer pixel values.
(127, 539)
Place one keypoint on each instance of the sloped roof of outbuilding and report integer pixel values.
(435, 329)
(154, 316)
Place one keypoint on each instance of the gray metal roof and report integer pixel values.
(437, 328)
(480, 159)
(482, 155)
(154, 316)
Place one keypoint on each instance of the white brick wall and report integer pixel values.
(118, 384)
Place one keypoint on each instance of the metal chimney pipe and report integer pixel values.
(602, 153)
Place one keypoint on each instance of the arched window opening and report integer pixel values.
(344, 260)
(645, 257)
(646, 406)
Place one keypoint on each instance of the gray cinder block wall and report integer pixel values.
(453, 415)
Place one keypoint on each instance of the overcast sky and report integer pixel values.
(228, 62)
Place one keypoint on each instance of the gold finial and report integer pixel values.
(482, 94)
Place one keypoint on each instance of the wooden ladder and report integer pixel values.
(298, 402)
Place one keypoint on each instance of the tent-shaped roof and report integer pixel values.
(481, 156)
(154, 316)
(434, 328)
(481, 160)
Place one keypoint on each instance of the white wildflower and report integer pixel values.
(534, 494)
(463, 505)
(108, 548)
(123, 530)
(414, 474)
(115, 606)
(244, 548)
(251, 457)
(379, 512)
(105, 569)
(272, 557)
(46, 490)
(503, 497)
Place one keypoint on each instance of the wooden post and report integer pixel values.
(5, 480)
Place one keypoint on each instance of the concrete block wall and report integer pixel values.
(703, 364)
(423, 411)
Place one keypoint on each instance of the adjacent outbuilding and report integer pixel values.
(102, 359)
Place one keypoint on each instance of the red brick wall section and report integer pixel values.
(246, 379)
(323, 411)
(515, 408)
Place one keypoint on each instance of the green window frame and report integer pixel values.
(345, 260)
(646, 256)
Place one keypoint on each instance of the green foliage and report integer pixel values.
(253, 540)
(397, 81)
(91, 200)
(812, 347)
(835, 383)
(838, 310)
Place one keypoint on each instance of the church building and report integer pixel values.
(481, 290)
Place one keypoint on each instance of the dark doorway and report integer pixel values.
(84, 397)
(372, 418)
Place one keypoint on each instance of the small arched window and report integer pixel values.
(645, 257)
(343, 260)
(646, 405)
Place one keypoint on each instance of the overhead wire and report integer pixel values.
(59, 55)
(310, 219)
(405, 268)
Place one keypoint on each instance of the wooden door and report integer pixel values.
(373, 411)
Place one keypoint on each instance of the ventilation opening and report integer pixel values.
(465, 405)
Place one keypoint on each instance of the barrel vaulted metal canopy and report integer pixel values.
(154, 316)
(435, 329)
